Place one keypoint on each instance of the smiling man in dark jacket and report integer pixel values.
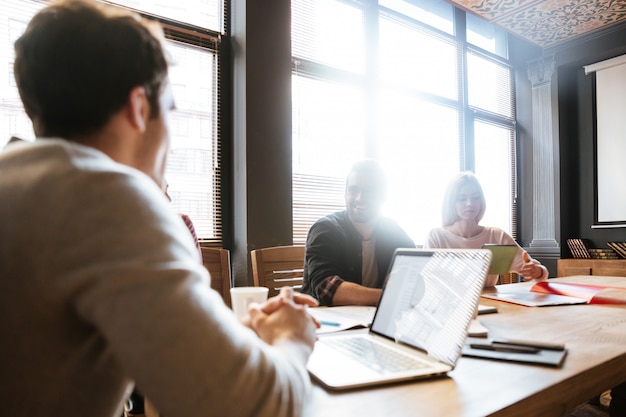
(348, 252)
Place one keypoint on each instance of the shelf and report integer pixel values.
(605, 267)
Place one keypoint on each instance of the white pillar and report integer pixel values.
(544, 167)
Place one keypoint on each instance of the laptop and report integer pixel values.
(422, 319)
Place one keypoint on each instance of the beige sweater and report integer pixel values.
(441, 238)
(100, 286)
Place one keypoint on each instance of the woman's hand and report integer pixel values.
(532, 268)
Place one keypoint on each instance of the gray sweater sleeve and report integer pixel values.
(146, 295)
(101, 286)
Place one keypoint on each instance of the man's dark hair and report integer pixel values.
(373, 170)
(77, 62)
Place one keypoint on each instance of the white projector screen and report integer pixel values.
(611, 142)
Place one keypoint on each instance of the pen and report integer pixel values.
(329, 323)
(504, 348)
(526, 343)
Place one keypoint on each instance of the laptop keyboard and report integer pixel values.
(375, 356)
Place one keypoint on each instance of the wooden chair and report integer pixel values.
(509, 278)
(278, 267)
(217, 261)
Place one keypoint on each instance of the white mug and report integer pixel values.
(242, 297)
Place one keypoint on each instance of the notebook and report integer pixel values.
(548, 356)
(422, 318)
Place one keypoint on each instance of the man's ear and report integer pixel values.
(138, 108)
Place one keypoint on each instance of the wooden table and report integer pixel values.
(595, 336)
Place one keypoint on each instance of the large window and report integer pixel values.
(194, 29)
(416, 84)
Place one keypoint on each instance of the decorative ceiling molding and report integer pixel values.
(548, 22)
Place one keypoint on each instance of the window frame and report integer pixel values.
(216, 43)
(302, 66)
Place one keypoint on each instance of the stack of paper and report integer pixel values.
(546, 293)
(334, 319)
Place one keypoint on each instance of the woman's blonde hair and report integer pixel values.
(448, 212)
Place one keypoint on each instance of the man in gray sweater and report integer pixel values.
(100, 284)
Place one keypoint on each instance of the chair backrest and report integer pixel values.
(217, 261)
(509, 278)
(278, 267)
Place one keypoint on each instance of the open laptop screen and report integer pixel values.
(430, 297)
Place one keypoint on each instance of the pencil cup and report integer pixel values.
(242, 297)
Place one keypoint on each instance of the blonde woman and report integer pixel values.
(463, 209)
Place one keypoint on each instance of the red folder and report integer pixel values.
(594, 294)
